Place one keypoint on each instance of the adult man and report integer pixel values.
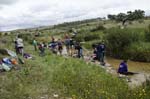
(19, 45)
(35, 44)
(102, 54)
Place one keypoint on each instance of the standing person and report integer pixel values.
(102, 54)
(80, 50)
(67, 43)
(35, 44)
(53, 45)
(42, 49)
(99, 52)
(60, 46)
(71, 46)
(20, 45)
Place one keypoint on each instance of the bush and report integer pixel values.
(147, 34)
(89, 45)
(141, 21)
(27, 37)
(79, 38)
(91, 37)
(118, 39)
(98, 28)
(139, 51)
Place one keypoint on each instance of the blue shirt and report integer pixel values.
(123, 67)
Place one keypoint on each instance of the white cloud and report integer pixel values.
(4, 2)
(28, 13)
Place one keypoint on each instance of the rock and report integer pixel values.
(55, 95)
(138, 79)
(107, 64)
(45, 97)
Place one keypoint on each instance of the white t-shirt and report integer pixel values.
(19, 42)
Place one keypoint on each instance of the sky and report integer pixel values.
(18, 14)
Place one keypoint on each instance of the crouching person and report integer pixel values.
(123, 68)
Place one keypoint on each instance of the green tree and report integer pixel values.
(129, 16)
(111, 17)
(121, 17)
(136, 15)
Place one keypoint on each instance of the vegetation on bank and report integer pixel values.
(128, 43)
(67, 78)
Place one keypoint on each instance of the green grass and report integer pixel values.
(66, 77)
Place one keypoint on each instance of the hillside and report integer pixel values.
(57, 77)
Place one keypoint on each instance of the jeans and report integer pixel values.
(80, 53)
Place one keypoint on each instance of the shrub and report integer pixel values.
(130, 23)
(98, 28)
(79, 38)
(89, 45)
(147, 34)
(91, 37)
(118, 39)
(27, 37)
(141, 21)
(139, 51)
(6, 34)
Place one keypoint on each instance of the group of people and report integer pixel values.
(72, 47)
(99, 52)
(56, 46)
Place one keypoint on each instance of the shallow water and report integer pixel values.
(132, 66)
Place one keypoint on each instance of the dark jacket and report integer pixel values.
(123, 68)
